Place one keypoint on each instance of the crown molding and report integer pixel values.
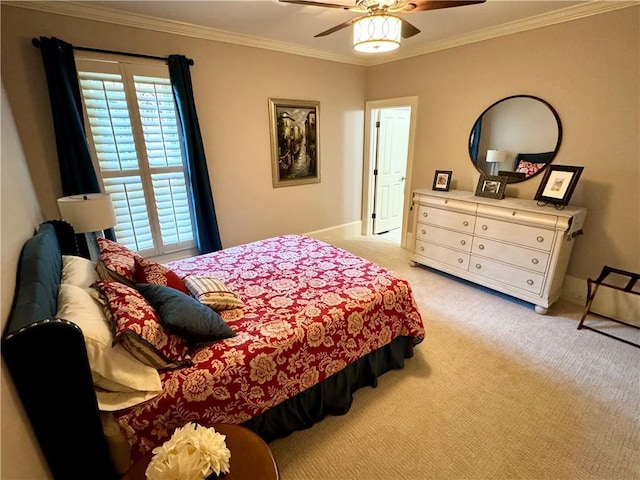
(538, 21)
(107, 15)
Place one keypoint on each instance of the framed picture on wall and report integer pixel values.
(442, 180)
(295, 142)
(558, 184)
(491, 186)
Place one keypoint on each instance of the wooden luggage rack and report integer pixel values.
(592, 288)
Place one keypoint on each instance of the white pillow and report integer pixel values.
(121, 380)
(78, 271)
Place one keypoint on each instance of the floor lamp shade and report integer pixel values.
(90, 212)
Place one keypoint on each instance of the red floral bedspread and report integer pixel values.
(311, 309)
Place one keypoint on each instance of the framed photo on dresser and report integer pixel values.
(442, 180)
(558, 184)
(491, 186)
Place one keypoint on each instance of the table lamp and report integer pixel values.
(89, 213)
(494, 157)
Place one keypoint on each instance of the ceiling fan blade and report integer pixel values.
(316, 4)
(337, 27)
(408, 30)
(422, 5)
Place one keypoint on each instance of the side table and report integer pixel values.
(251, 457)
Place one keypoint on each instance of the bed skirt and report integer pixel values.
(334, 395)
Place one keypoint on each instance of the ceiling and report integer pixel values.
(291, 28)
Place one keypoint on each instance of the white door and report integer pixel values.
(391, 151)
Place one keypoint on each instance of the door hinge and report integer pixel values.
(378, 124)
(375, 171)
(373, 215)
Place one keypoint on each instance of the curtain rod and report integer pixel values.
(36, 43)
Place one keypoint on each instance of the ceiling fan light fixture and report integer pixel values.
(377, 33)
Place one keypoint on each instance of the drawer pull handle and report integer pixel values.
(534, 261)
(481, 247)
(422, 249)
(462, 242)
(425, 214)
(530, 282)
(484, 227)
(513, 213)
(465, 223)
(540, 239)
(460, 260)
(424, 232)
(446, 201)
(478, 266)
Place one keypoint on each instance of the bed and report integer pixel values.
(314, 324)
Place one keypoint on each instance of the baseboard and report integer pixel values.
(345, 230)
(610, 302)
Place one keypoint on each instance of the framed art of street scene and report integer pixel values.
(295, 153)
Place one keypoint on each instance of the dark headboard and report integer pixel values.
(48, 363)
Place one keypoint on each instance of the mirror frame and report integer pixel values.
(555, 150)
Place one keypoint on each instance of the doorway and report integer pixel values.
(389, 139)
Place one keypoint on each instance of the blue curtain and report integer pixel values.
(206, 224)
(76, 169)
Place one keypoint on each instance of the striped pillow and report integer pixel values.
(212, 292)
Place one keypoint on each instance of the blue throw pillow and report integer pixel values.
(184, 315)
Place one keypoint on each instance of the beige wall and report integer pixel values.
(21, 459)
(232, 85)
(589, 71)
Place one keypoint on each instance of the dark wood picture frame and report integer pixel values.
(295, 141)
(442, 180)
(491, 186)
(558, 184)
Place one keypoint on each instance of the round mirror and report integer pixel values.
(518, 135)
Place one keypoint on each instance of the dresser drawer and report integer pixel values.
(449, 204)
(518, 256)
(442, 254)
(513, 233)
(515, 215)
(512, 276)
(447, 238)
(443, 218)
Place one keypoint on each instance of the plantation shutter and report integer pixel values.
(135, 136)
(160, 127)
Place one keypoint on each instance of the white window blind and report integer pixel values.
(135, 137)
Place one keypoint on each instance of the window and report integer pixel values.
(134, 136)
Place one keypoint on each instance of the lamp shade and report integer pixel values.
(496, 156)
(90, 212)
(377, 33)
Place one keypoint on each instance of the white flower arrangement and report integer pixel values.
(192, 453)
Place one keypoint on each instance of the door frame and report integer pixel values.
(369, 161)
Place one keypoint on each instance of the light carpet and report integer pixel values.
(495, 391)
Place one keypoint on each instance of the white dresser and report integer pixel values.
(510, 245)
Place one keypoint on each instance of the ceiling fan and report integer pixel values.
(380, 29)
